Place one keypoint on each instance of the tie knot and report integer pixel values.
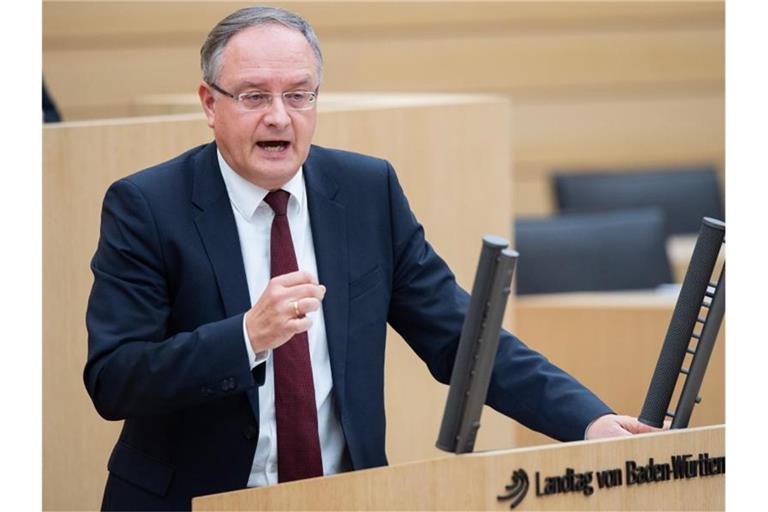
(278, 201)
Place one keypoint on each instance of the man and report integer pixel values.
(210, 332)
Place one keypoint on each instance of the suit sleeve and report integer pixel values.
(427, 309)
(134, 367)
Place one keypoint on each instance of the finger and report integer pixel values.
(300, 307)
(618, 430)
(304, 290)
(640, 428)
(307, 305)
(297, 325)
(294, 278)
(636, 427)
(603, 431)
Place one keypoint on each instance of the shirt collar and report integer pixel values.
(246, 196)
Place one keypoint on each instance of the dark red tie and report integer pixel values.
(298, 443)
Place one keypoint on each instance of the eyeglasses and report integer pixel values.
(257, 100)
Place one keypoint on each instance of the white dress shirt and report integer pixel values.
(254, 222)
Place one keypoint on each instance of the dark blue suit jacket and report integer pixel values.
(166, 350)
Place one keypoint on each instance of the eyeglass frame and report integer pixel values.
(239, 101)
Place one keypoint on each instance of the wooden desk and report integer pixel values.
(473, 481)
(610, 341)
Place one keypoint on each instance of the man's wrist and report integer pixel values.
(254, 358)
(586, 431)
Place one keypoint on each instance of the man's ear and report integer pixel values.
(208, 102)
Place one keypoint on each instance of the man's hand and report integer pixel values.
(613, 425)
(281, 310)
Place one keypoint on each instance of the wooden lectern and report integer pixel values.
(677, 470)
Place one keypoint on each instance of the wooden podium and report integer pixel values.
(679, 470)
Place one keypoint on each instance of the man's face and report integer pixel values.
(266, 146)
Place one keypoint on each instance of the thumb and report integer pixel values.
(634, 426)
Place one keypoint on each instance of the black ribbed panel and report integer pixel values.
(477, 347)
(690, 393)
(684, 317)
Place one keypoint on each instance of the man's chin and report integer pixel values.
(272, 177)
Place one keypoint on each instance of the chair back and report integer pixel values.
(621, 250)
(686, 195)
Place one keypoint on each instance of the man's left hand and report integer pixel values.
(613, 425)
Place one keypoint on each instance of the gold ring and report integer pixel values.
(296, 309)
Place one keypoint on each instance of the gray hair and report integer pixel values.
(213, 47)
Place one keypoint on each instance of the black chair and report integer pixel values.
(50, 111)
(621, 250)
(685, 194)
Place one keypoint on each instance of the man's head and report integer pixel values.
(248, 60)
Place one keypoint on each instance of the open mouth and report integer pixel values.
(273, 146)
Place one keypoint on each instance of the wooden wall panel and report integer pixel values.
(593, 84)
(80, 160)
(125, 21)
(99, 55)
(611, 341)
(611, 133)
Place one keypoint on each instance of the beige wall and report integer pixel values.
(99, 55)
(591, 84)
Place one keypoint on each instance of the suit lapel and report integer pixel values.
(329, 234)
(218, 230)
(216, 224)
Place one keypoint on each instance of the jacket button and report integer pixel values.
(228, 384)
(250, 432)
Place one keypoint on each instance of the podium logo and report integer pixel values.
(517, 490)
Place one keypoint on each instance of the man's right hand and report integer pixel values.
(273, 320)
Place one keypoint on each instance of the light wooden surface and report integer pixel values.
(431, 142)
(136, 48)
(472, 482)
(611, 341)
(593, 85)
(122, 21)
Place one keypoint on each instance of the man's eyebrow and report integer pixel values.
(305, 81)
(302, 82)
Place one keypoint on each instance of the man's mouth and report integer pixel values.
(274, 146)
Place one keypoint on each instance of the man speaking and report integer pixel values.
(241, 293)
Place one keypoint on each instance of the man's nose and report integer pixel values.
(276, 114)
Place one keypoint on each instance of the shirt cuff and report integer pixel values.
(254, 359)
